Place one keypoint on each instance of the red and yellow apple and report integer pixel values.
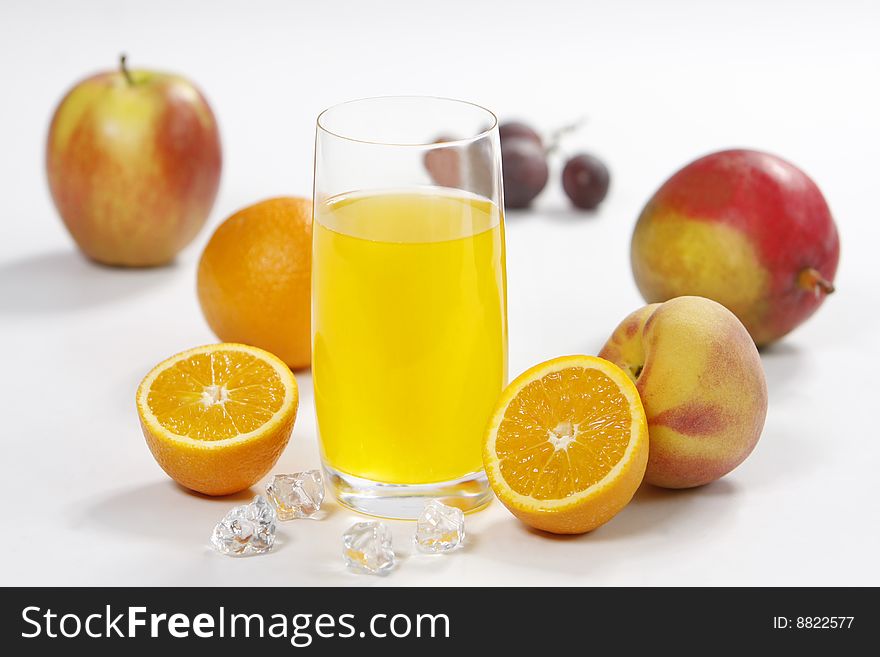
(702, 385)
(133, 160)
(746, 229)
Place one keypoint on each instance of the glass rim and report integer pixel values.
(321, 122)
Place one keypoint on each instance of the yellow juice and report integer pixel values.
(409, 332)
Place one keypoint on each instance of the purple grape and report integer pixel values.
(525, 171)
(518, 130)
(443, 164)
(585, 180)
(461, 167)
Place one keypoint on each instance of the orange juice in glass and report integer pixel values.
(409, 301)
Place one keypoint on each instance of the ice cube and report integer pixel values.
(247, 529)
(440, 528)
(297, 495)
(366, 547)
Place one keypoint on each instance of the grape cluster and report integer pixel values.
(585, 177)
(525, 168)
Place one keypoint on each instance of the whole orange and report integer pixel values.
(254, 278)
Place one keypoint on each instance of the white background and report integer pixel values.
(661, 83)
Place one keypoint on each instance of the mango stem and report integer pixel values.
(811, 279)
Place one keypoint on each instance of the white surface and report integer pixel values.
(86, 503)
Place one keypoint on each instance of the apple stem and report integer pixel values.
(124, 69)
(811, 279)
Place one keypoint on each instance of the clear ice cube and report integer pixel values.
(366, 547)
(247, 529)
(440, 528)
(297, 495)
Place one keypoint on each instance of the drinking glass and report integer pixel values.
(409, 316)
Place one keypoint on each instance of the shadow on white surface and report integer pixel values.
(782, 455)
(785, 450)
(562, 213)
(566, 214)
(161, 510)
(164, 510)
(655, 509)
(654, 512)
(518, 214)
(64, 280)
(784, 364)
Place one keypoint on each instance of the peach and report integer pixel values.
(700, 378)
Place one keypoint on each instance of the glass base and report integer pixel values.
(406, 501)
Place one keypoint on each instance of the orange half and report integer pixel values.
(216, 418)
(567, 445)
